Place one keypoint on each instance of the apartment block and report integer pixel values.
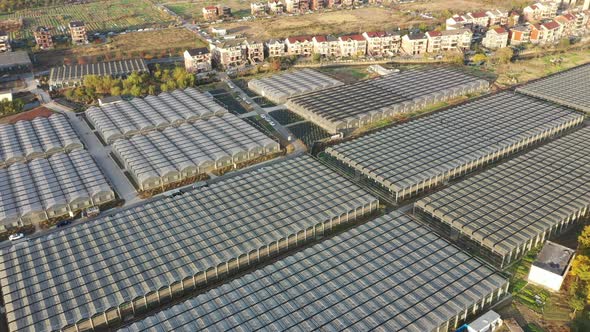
(316, 4)
(43, 38)
(327, 46)
(257, 8)
(480, 20)
(78, 33)
(274, 48)
(4, 42)
(254, 52)
(520, 34)
(495, 38)
(299, 45)
(197, 60)
(353, 45)
(229, 54)
(296, 6)
(497, 17)
(545, 33)
(540, 11)
(449, 40)
(382, 43)
(210, 13)
(275, 7)
(414, 44)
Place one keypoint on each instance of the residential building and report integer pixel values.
(43, 38)
(449, 40)
(539, 11)
(78, 32)
(274, 7)
(551, 266)
(224, 11)
(488, 322)
(274, 48)
(513, 18)
(316, 4)
(197, 60)
(480, 20)
(257, 8)
(352, 45)
(545, 33)
(520, 34)
(582, 21)
(333, 46)
(218, 32)
(456, 22)
(299, 45)
(382, 43)
(497, 17)
(254, 52)
(229, 54)
(321, 45)
(414, 44)
(210, 13)
(4, 42)
(495, 38)
(296, 6)
(567, 22)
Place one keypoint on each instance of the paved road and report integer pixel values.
(101, 155)
(280, 129)
(275, 108)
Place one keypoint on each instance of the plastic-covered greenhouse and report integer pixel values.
(67, 75)
(570, 88)
(344, 108)
(278, 88)
(415, 156)
(140, 258)
(185, 152)
(39, 138)
(507, 210)
(142, 115)
(47, 189)
(390, 274)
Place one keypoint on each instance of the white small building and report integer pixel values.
(551, 266)
(488, 322)
(5, 95)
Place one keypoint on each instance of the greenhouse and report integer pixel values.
(570, 88)
(39, 138)
(70, 75)
(161, 159)
(390, 274)
(140, 258)
(515, 206)
(142, 115)
(54, 188)
(416, 156)
(278, 88)
(345, 108)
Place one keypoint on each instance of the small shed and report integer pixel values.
(488, 322)
(551, 266)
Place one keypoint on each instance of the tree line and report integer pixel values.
(8, 107)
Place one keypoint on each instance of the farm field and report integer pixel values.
(147, 44)
(100, 16)
(462, 6)
(334, 22)
(193, 10)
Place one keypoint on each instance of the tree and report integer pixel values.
(316, 58)
(584, 238)
(564, 43)
(503, 55)
(581, 266)
(480, 57)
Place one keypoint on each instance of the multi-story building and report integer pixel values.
(274, 7)
(229, 54)
(382, 43)
(582, 21)
(539, 11)
(257, 8)
(497, 17)
(449, 40)
(495, 38)
(513, 18)
(296, 6)
(414, 44)
(274, 48)
(43, 38)
(480, 20)
(299, 45)
(316, 4)
(456, 22)
(224, 11)
(4, 42)
(321, 45)
(197, 60)
(210, 13)
(352, 45)
(254, 51)
(520, 34)
(545, 33)
(78, 33)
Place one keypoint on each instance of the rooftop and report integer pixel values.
(16, 58)
(554, 258)
(76, 24)
(198, 51)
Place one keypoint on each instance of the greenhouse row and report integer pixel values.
(344, 108)
(68, 75)
(569, 88)
(278, 88)
(185, 152)
(412, 157)
(52, 188)
(517, 205)
(39, 138)
(390, 274)
(141, 115)
(139, 258)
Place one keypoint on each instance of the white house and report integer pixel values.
(488, 322)
(551, 266)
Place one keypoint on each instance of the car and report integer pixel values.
(64, 223)
(16, 236)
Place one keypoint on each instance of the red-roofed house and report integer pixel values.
(414, 44)
(545, 33)
(382, 43)
(299, 45)
(352, 45)
(497, 17)
(210, 13)
(495, 38)
(480, 20)
(567, 22)
(449, 40)
(327, 46)
(540, 11)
